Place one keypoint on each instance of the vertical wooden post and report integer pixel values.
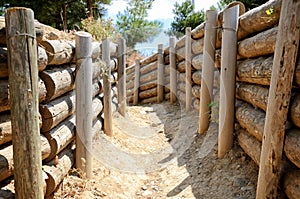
(286, 49)
(122, 77)
(136, 82)
(107, 103)
(84, 111)
(227, 86)
(207, 79)
(188, 69)
(160, 73)
(173, 76)
(23, 89)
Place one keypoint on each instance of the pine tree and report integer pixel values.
(133, 25)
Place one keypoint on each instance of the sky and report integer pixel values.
(161, 11)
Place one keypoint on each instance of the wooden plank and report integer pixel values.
(23, 89)
(287, 43)
(227, 90)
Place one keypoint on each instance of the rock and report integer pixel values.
(147, 193)
(144, 187)
(86, 194)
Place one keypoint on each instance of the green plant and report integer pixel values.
(99, 28)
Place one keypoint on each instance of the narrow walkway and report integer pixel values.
(156, 153)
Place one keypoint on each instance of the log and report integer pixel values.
(227, 91)
(58, 80)
(24, 91)
(257, 19)
(5, 129)
(251, 119)
(153, 100)
(180, 54)
(198, 46)
(39, 31)
(196, 104)
(148, 85)
(60, 136)
(107, 88)
(196, 91)
(284, 64)
(152, 92)
(188, 69)
(295, 110)
(249, 144)
(256, 71)
(258, 45)
(198, 32)
(173, 76)
(149, 59)
(291, 184)
(292, 146)
(181, 77)
(97, 107)
(129, 77)
(57, 110)
(5, 98)
(42, 61)
(196, 77)
(6, 158)
(148, 77)
(97, 88)
(148, 68)
(130, 70)
(181, 67)
(253, 94)
(56, 171)
(137, 81)
(181, 87)
(58, 51)
(197, 62)
(122, 77)
(160, 74)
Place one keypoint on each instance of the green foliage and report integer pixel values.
(134, 26)
(185, 16)
(51, 12)
(99, 28)
(249, 4)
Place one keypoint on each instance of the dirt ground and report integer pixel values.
(156, 152)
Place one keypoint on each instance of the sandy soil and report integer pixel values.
(156, 153)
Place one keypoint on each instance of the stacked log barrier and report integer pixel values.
(57, 72)
(256, 37)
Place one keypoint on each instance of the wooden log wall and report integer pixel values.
(257, 33)
(57, 73)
